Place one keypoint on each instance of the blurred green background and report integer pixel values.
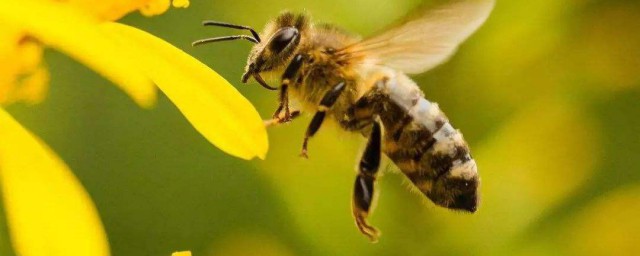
(546, 93)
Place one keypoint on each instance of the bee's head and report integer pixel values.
(281, 39)
(458, 189)
(273, 48)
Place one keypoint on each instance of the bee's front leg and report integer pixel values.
(289, 76)
(327, 101)
(364, 194)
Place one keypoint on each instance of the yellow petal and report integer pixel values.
(114, 9)
(76, 34)
(155, 7)
(186, 253)
(212, 105)
(33, 88)
(180, 3)
(48, 212)
(29, 54)
(107, 10)
(22, 75)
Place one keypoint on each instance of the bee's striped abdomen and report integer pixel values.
(429, 151)
(425, 149)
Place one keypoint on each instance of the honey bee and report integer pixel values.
(363, 85)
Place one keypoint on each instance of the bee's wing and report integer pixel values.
(425, 41)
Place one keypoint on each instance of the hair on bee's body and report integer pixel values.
(323, 67)
(363, 85)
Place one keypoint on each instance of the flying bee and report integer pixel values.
(363, 84)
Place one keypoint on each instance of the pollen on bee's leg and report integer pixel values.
(281, 120)
(270, 122)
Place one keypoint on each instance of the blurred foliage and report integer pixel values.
(546, 93)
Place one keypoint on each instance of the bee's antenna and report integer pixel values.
(227, 25)
(224, 38)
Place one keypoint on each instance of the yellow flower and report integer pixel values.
(82, 34)
(48, 211)
(26, 79)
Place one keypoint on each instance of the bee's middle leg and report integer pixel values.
(363, 194)
(327, 101)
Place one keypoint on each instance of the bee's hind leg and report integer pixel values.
(327, 101)
(363, 194)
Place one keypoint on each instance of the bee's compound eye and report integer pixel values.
(282, 38)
